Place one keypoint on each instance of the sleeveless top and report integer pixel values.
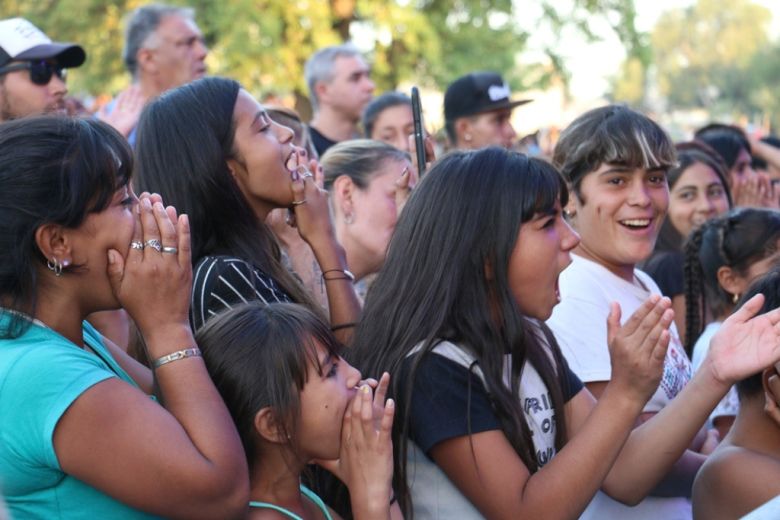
(309, 494)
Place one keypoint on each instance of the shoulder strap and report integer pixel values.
(282, 510)
(317, 500)
(306, 492)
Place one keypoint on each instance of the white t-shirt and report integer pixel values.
(580, 326)
(729, 405)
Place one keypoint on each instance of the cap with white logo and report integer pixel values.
(476, 93)
(22, 41)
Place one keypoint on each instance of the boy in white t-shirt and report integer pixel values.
(615, 161)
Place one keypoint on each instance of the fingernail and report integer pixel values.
(390, 403)
(147, 203)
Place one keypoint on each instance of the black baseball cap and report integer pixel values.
(20, 40)
(476, 93)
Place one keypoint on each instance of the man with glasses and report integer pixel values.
(32, 70)
(164, 49)
(478, 111)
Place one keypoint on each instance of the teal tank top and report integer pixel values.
(309, 494)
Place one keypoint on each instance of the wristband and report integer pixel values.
(175, 356)
(340, 326)
(347, 275)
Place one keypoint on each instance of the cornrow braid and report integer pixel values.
(695, 303)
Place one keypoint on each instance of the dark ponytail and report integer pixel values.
(738, 239)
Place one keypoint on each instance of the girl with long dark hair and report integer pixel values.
(490, 420)
(211, 149)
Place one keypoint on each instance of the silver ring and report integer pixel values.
(298, 202)
(154, 244)
(136, 244)
(169, 249)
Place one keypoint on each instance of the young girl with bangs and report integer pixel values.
(294, 400)
(491, 421)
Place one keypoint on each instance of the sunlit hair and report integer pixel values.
(359, 159)
(462, 220)
(53, 170)
(727, 140)
(257, 355)
(291, 119)
(320, 67)
(615, 135)
(141, 27)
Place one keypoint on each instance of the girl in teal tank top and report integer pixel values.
(295, 400)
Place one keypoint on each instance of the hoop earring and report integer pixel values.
(55, 266)
(349, 218)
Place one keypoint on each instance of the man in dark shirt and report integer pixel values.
(340, 87)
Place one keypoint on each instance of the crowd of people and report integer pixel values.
(211, 308)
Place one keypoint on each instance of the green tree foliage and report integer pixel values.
(265, 43)
(704, 53)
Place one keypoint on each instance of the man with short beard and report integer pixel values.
(33, 70)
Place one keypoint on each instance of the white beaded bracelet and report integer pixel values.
(175, 356)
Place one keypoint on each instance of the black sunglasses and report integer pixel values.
(40, 71)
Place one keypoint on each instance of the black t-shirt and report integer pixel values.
(321, 143)
(666, 268)
(450, 400)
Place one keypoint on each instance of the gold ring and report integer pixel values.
(298, 202)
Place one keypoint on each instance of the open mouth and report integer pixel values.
(291, 163)
(636, 223)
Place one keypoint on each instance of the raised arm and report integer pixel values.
(315, 226)
(183, 460)
(744, 345)
(488, 471)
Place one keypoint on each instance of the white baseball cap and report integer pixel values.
(21, 40)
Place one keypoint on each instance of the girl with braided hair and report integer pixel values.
(722, 258)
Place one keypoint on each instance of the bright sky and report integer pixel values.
(591, 65)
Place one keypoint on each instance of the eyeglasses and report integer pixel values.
(40, 71)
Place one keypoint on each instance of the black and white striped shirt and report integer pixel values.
(219, 282)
